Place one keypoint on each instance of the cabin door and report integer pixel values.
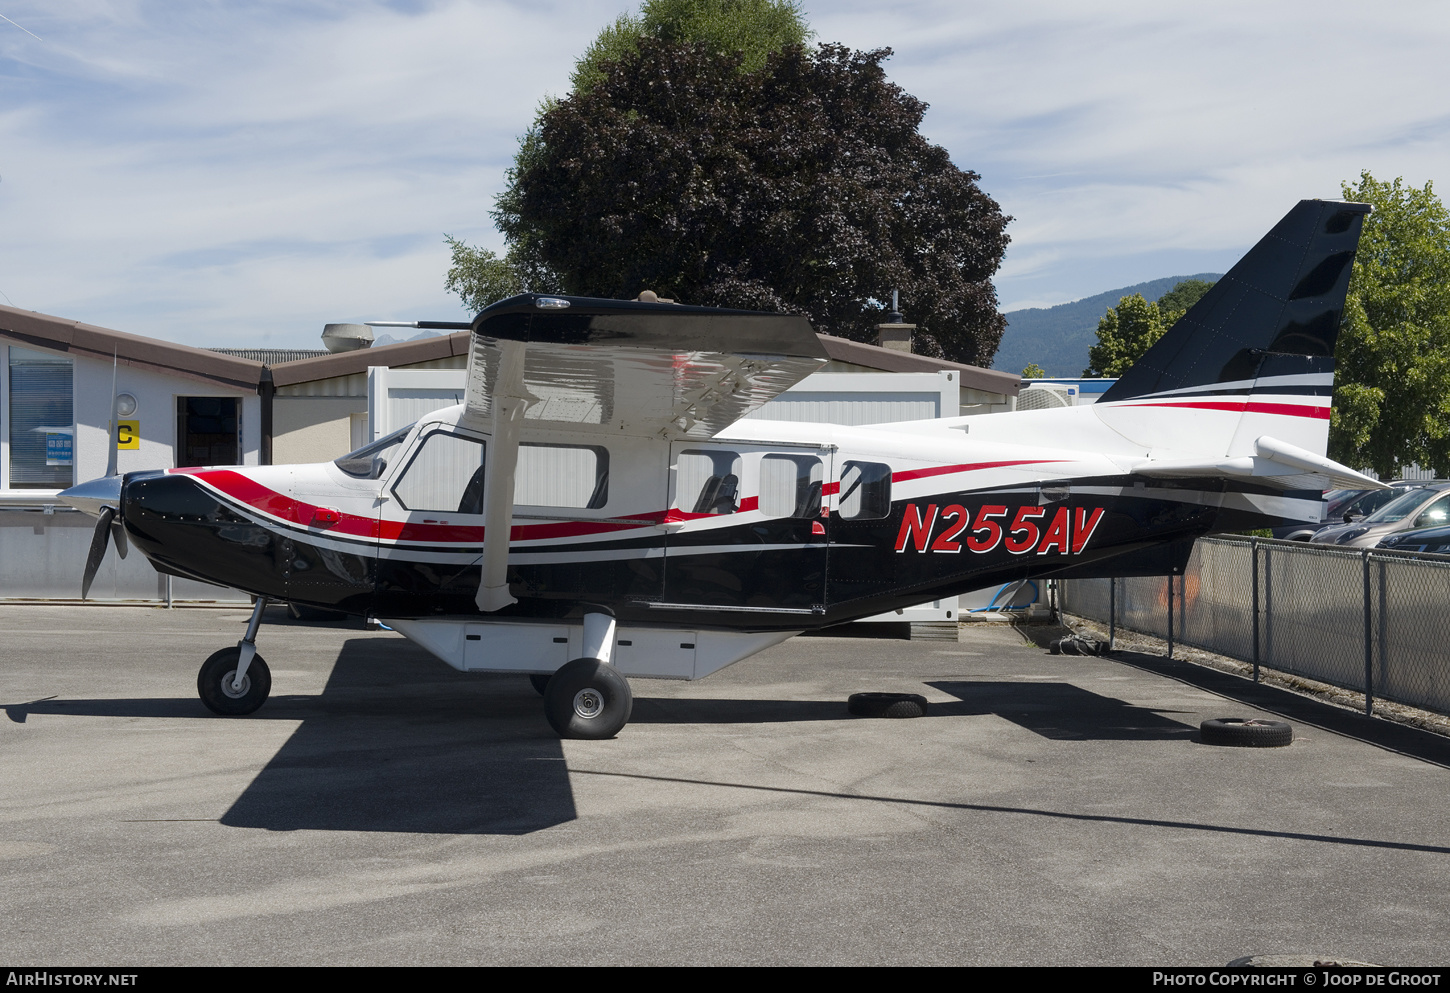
(753, 534)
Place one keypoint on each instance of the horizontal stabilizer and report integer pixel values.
(1274, 462)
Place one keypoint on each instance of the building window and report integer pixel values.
(206, 431)
(42, 425)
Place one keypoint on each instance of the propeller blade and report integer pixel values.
(98, 549)
(118, 535)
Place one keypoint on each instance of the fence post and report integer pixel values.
(1368, 643)
(1254, 580)
(1170, 615)
(1112, 612)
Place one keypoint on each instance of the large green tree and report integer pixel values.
(1126, 331)
(768, 177)
(750, 28)
(1392, 380)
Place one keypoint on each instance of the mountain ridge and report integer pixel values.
(1058, 338)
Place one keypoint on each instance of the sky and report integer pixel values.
(241, 173)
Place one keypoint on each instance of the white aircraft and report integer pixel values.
(597, 509)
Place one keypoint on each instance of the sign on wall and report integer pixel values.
(59, 448)
(128, 434)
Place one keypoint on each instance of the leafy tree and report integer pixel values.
(751, 28)
(480, 277)
(1392, 385)
(1175, 303)
(1033, 371)
(1128, 329)
(801, 187)
(1125, 332)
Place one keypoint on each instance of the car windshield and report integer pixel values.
(1399, 508)
(369, 461)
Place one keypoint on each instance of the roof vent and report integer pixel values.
(346, 337)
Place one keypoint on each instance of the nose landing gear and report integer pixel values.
(236, 681)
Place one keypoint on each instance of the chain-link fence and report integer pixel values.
(1363, 619)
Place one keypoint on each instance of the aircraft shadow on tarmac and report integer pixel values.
(399, 742)
(1062, 711)
(396, 741)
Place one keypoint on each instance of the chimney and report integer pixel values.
(894, 334)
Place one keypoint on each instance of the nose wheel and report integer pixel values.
(236, 681)
(216, 683)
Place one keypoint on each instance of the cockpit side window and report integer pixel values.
(707, 481)
(445, 476)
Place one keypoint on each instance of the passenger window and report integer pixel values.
(445, 476)
(562, 476)
(790, 486)
(865, 491)
(707, 482)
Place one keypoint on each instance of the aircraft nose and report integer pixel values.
(89, 497)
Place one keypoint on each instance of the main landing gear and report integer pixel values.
(588, 698)
(236, 681)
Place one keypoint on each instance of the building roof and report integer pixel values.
(59, 334)
(242, 367)
(892, 360)
(272, 356)
(347, 363)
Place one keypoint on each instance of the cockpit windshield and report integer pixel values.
(370, 461)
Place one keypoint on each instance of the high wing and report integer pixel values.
(630, 367)
(617, 367)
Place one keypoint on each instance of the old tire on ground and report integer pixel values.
(887, 704)
(540, 682)
(214, 684)
(1235, 731)
(588, 699)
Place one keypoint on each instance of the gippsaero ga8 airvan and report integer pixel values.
(597, 508)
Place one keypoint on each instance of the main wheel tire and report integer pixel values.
(1240, 733)
(214, 683)
(540, 682)
(887, 704)
(588, 699)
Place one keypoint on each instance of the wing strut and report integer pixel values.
(509, 401)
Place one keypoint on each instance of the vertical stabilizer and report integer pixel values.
(1257, 351)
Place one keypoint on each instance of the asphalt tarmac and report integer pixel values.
(384, 809)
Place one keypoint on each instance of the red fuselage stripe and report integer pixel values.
(1249, 407)
(942, 470)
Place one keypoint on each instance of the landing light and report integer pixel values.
(551, 303)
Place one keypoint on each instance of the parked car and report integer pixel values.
(1421, 505)
(1436, 540)
(1347, 506)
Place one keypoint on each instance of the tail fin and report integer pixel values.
(1283, 299)
(1267, 327)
